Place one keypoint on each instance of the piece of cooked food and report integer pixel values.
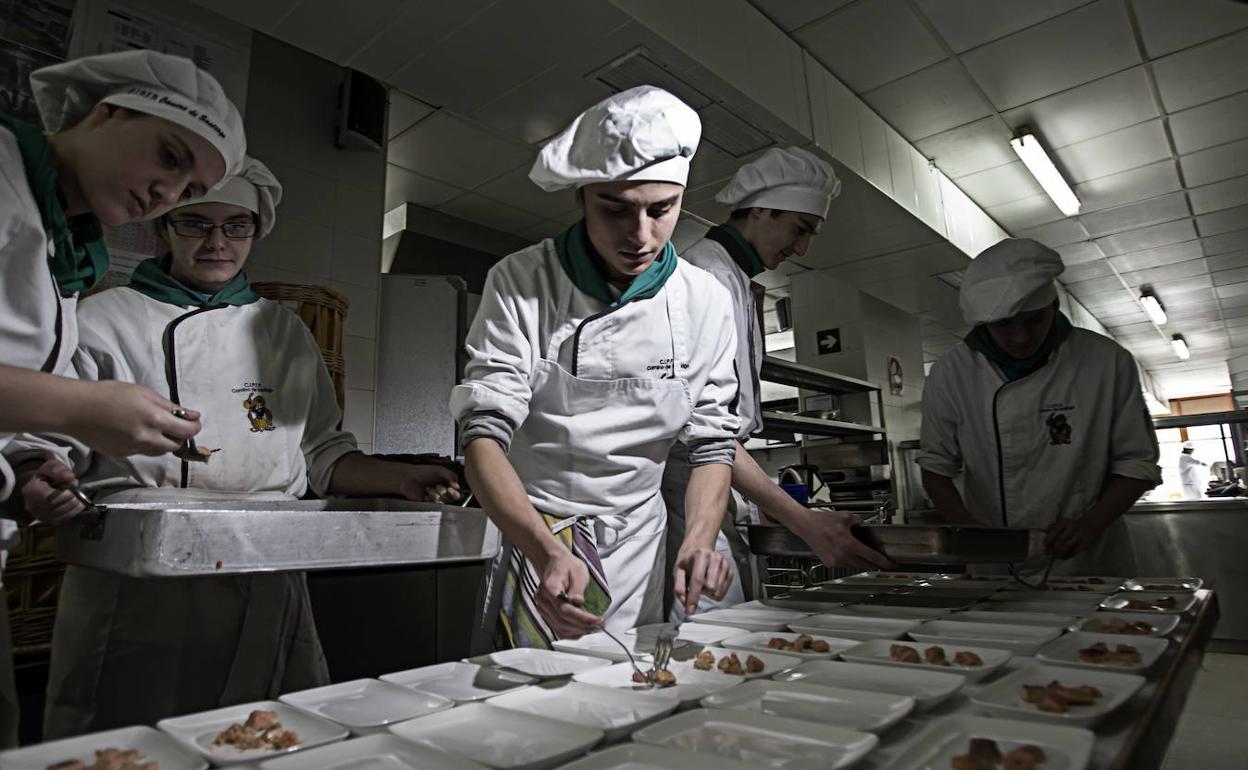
(110, 759)
(984, 748)
(753, 665)
(704, 661)
(1120, 626)
(903, 653)
(261, 720)
(261, 730)
(731, 664)
(967, 658)
(819, 645)
(777, 643)
(1023, 758)
(935, 656)
(665, 678)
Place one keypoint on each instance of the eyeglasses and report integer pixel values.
(198, 228)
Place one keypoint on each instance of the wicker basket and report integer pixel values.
(324, 311)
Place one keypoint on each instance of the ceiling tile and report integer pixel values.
(305, 26)
(965, 24)
(408, 186)
(1060, 233)
(1150, 212)
(792, 14)
(1148, 237)
(1078, 253)
(1211, 124)
(1115, 152)
(1165, 255)
(490, 213)
(516, 189)
(415, 27)
(1002, 184)
(261, 16)
(1232, 290)
(1204, 73)
(1219, 195)
(1226, 277)
(1215, 163)
(405, 112)
(869, 44)
(1167, 26)
(1087, 271)
(964, 150)
(541, 107)
(1129, 186)
(1163, 276)
(1090, 110)
(1085, 290)
(1228, 261)
(1223, 221)
(929, 101)
(453, 150)
(1225, 243)
(1061, 53)
(544, 229)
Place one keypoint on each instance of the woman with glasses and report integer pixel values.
(132, 651)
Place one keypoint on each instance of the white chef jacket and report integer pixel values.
(1044, 446)
(223, 361)
(1189, 476)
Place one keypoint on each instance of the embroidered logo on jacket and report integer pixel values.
(1060, 429)
(258, 413)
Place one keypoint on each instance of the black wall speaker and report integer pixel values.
(362, 113)
(784, 313)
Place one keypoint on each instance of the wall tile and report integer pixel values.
(357, 260)
(362, 315)
(358, 415)
(360, 354)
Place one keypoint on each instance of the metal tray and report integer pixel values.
(234, 536)
(907, 544)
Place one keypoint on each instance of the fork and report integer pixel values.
(663, 649)
(563, 597)
(189, 451)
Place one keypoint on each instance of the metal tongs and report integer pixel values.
(91, 509)
(189, 451)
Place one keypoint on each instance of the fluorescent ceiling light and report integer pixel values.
(1037, 161)
(1180, 347)
(1153, 307)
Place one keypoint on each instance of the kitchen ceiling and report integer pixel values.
(1143, 103)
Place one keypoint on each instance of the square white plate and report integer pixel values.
(691, 685)
(1162, 625)
(888, 611)
(1023, 640)
(639, 756)
(500, 738)
(697, 633)
(759, 740)
(1064, 651)
(1067, 748)
(1039, 619)
(875, 651)
(375, 752)
(928, 688)
(543, 664)
(1163, 584)
(616, 712)
(756, 641)
(850, 709)
(461, 682)
(155, 745)
(1087, 602)
(853, 626)
(366, 705)
(1003, 697)
(197, 731)
(1051, 608)
(1183, 601)
(750, 620)
(599, 645)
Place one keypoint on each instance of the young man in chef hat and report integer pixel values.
(592, 353)
(128, 135)
(1041, 425)
(778, 201)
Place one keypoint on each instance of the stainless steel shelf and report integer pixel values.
(788, 373)
(813, 426)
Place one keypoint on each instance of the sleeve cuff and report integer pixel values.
(713, 451)
(485, 425)
(1136, 469)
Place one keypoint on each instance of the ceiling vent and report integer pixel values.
(721, 124)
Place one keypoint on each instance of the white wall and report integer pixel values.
(329, 222)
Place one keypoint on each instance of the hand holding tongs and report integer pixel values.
(189, 451)
(91, 510)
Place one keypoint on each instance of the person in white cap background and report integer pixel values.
(124, 137)
(778, 201)
(1040, 424)
(1190, 473)
(130, 650)
(593, 352)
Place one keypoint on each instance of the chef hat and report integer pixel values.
(254, 188)
(787, 180)
(1008, 278)
(169, 87)
(642, 134)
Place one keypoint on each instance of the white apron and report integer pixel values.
(574, 465)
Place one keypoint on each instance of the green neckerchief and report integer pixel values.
(81, 257)
(585, 268)
(152, 278)
(741, 250)
(980, 340)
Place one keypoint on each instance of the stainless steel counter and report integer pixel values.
(1200, 537)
